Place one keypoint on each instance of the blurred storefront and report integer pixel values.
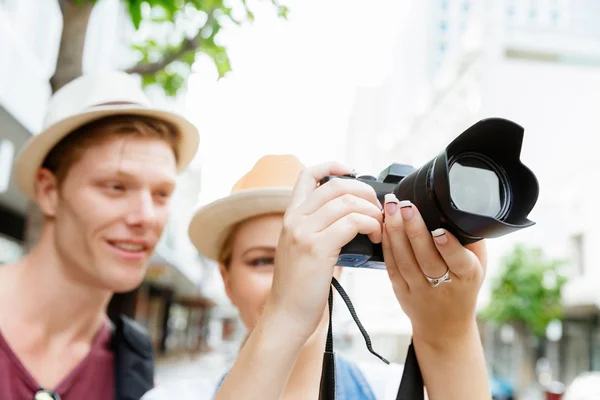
(171, 309)
(176, 324)
(12, 204)
(29, 38)
(580, 343)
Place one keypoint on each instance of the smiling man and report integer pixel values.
(102, 172)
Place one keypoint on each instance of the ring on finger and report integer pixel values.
(435, 282)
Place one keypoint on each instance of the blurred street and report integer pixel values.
(209, 365)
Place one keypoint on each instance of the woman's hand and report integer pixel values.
(320, 220)
(411, 253)
(445, 334)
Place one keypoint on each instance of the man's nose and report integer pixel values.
(142, 210)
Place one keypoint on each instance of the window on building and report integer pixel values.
(596, 349)
(577, 253)
(7, 153)
(532, 14)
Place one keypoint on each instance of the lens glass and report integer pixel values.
(477, 186)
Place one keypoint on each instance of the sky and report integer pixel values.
(292, 85)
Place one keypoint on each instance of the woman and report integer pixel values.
(282, 296)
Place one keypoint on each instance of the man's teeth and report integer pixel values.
(129, 246)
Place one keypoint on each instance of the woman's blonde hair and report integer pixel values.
(227, 248)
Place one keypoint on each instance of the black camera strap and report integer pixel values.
(411, 386)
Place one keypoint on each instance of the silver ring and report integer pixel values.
(435, 282)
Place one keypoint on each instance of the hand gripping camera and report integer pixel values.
(476, 188)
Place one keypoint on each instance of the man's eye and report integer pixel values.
(164, 194)
(115, 187)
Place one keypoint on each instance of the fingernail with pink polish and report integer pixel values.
(391, 203)
(406, 209)
(439, 235)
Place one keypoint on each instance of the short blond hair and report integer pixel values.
(71, 148)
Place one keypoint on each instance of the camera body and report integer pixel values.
(476, 188)
(361, 252)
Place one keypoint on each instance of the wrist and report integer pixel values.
(278, 325)
(453, 366)
(452, 338)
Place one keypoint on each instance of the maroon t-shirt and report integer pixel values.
(92, 379)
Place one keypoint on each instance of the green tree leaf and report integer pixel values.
(80, 2)
(527, 291)
(189, 57)
(283, 12)
(135, 11)
(156, 60)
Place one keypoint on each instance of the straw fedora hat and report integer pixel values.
(87, 99)
(266, 189)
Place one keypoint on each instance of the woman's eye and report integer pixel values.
(262, 261)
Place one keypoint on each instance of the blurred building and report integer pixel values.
(171, 302)
(538, 64)
(29, 37)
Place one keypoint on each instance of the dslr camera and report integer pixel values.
(476, 188)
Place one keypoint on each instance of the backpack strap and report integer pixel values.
(134, 359)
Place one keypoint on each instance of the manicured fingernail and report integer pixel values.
(439, 235)
(406, 209)
(391, 203)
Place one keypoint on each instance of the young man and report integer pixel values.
(102, 172)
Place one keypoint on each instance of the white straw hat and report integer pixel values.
(87, 99)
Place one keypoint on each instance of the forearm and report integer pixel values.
(265, 362)
(454, 368)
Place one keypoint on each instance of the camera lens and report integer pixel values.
(479, 186)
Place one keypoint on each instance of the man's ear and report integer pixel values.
(46, 191)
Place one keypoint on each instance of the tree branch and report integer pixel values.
(187, 45)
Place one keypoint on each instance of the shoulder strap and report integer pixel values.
(411, 385)
(328, 378)
(327, 386)
(134, 360)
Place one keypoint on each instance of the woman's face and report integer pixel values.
(249, 275)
